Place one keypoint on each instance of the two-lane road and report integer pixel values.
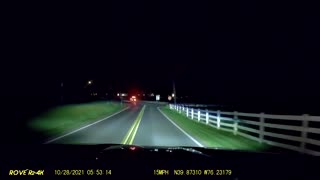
(142, 124)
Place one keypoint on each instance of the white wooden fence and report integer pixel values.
(294, 132)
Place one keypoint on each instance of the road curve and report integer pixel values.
(150, 128)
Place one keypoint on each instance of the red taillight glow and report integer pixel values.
(132, 148)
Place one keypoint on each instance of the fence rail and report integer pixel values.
(301, 137)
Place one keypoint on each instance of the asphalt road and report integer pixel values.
(141, 124)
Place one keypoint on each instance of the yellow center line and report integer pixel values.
(128, 139)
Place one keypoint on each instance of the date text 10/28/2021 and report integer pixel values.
(60, 172)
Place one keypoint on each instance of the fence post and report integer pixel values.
(198, 115)
(218, 119)
(305, 125)
(261, 128)
(187, 112)
(235, 125)
(180, 109)
(191, 113)
(207, 117)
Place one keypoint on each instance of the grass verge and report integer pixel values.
(212, 137)
(65, 118)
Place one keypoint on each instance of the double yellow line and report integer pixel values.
(128, 139)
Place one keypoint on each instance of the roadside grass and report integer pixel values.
(65, 118)
(212, 137)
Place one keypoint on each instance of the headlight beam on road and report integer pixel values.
(128, 139)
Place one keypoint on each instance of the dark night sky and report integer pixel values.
(240, 52)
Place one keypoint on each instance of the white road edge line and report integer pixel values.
(57, 138)
(195, 141)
